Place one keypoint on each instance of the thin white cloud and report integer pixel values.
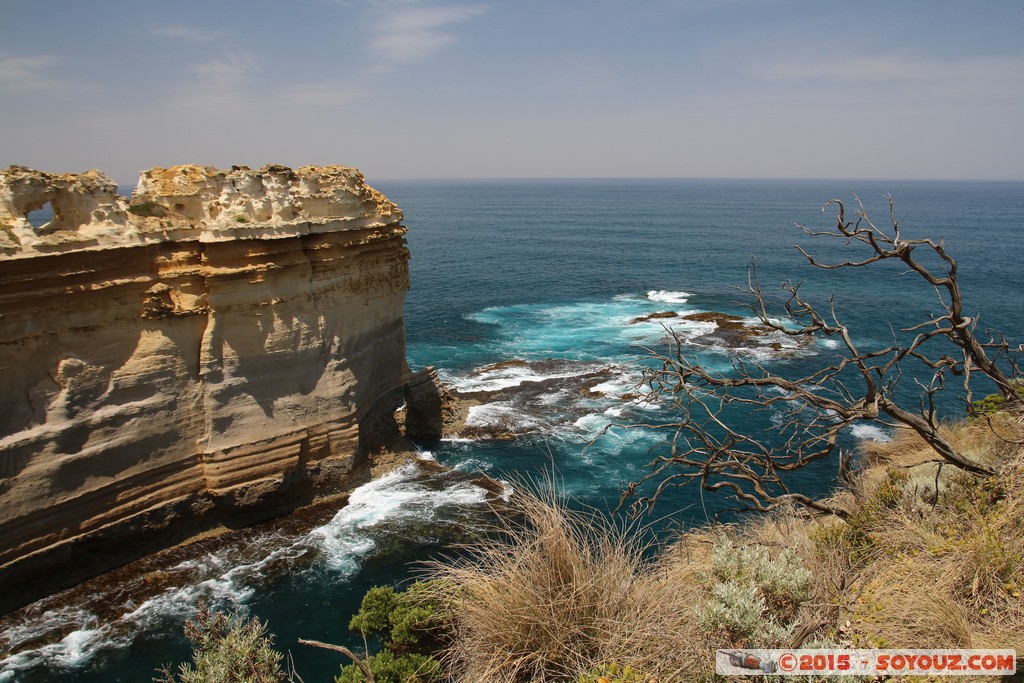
(976, 76)
(231, 70)
(28, 73)
(411, 33)
(190, 34)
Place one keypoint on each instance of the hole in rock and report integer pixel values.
(40, 216)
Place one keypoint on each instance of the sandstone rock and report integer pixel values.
(219, 348)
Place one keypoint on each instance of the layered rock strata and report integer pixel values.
(218, 349)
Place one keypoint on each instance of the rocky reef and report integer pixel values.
(222, 347)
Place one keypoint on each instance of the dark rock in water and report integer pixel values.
(534, 396)
(721, 319)
(654, 316)
(501, 365)
(733, 332)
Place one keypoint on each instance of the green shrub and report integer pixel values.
(374, 616)
(969, 495)
(387, 667)
(858, 534)
(227, 648)
(409, 621)
(996, 402)
(741, 614)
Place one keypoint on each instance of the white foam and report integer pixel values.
(613, 387)
(870, 432)
(77, 646)
(668, 297)
(38, 625)
(592, 424)
(181, 601)
(74, 649)
(500, 414)
(508, 377)
(490, 380)
(347, 538)
(501, 378)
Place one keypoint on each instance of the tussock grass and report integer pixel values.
(558, 592)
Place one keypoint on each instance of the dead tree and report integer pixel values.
(857, 384)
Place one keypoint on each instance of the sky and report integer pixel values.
(406, 89)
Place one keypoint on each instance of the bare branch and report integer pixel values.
(345, 651)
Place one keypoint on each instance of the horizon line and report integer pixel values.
(371, 179)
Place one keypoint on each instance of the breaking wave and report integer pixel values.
(68, 637)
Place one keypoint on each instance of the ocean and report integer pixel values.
(519, 288)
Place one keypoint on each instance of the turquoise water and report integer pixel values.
(549, 273)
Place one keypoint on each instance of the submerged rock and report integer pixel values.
(654, 316)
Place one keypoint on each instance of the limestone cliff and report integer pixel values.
(216, 349)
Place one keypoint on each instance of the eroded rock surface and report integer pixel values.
(219, 348)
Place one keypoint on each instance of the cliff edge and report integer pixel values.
(217, 349)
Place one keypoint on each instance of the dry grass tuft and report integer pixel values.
(561, 592)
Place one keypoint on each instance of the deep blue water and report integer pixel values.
(539, 270)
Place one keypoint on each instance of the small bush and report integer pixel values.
(408, 621)
(741, 615)
(784, 583)
(227, 648)
(560, 593)
(387, 667)
(993, 403)
(970, 495)
(754, 597)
